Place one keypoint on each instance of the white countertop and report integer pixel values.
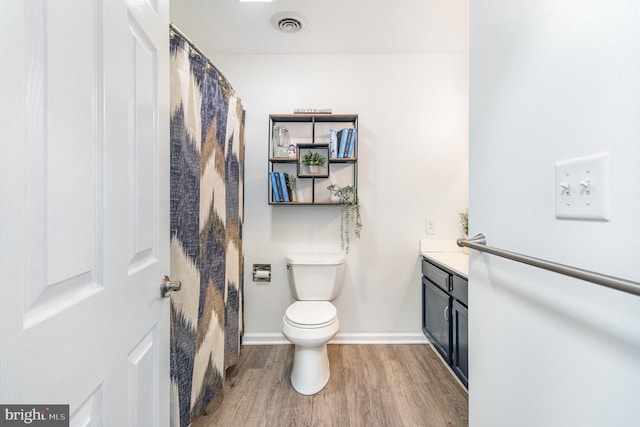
(446, 253)
(456, 261)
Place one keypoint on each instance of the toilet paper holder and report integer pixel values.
(261, 272)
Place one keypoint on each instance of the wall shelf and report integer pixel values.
(312, 132)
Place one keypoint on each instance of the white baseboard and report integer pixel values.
(264, 339)
(380, 338)
(342, 338)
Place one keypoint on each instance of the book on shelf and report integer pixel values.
(278, 187)
(274, 187)
(283, 187)
(352, 142)
(345, 154)
(333, 144)
(343, 138)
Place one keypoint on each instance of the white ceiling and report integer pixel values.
(332, 26)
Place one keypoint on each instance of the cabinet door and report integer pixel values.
(436, 317)
(460, 360)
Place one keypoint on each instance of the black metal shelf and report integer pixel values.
(311, 182)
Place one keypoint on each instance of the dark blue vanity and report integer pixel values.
(445, 315)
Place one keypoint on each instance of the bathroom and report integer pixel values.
(407, 173)
(414, 167)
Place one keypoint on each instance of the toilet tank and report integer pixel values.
(315, 277)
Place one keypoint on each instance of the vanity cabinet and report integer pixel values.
(311, 133)
(445, 315)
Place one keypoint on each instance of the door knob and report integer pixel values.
(168, 286)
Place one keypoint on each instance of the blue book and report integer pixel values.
(279, 187)
(352, 142)
(283, 187)
(343, 137)
(274, 187)
(347, 143)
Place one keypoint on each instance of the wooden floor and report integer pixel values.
(370, 385)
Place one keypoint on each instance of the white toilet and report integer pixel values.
(312, 321)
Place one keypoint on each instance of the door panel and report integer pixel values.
(143, 373)
(90, 411)
(64, 148)
(86, 223)
(143, 153)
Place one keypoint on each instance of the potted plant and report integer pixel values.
(464, 225)
(464, 222)
(293, 186)
(350, 215)
(313, 160)
(335, 193)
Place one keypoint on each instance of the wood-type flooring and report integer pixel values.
(371, 385)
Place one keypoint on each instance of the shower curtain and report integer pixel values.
(207, 173)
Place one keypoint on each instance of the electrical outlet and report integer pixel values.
(430, 226)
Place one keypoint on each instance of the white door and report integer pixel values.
(84, 208)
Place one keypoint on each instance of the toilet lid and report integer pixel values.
(311, 314)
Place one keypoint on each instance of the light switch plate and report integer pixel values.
(582, 188)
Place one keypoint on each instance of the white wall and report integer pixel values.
(553, 80)
(412, 165)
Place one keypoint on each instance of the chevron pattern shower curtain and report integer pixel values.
(207, 173)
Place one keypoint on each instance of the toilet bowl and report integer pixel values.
(312, 321)
(310, 325)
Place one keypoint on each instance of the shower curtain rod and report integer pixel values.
(479, 242)
(193, 46)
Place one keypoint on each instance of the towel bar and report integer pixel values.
(479, 242)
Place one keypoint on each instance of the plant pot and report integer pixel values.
(314, 169)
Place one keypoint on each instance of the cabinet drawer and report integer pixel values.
(436, 275)
(460, 290)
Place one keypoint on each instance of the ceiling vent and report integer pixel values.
(288, 22)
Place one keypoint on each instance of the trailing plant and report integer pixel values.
(350, 217)
(311, 158)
